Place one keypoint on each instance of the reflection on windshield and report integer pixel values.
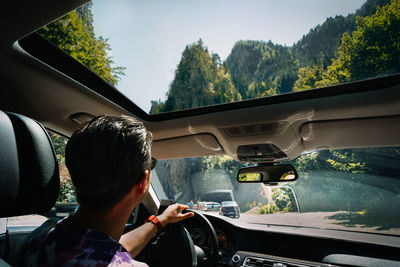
(348, 189)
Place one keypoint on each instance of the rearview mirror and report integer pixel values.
(267, 174)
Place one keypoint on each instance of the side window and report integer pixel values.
(66, 202)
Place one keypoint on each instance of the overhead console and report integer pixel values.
(267, 142)
(260, 153)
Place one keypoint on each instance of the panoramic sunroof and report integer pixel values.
(176, 55)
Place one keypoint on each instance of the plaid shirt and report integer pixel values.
(64, 243)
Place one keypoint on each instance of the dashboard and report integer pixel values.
(271, 245)
(202, 239)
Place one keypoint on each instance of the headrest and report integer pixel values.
(29, 178)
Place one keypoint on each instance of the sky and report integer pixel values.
(148, 37)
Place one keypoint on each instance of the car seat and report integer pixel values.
(29, 175)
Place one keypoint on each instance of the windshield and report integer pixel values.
(176, 55)
(348, 189)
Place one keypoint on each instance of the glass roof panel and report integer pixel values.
(176, 55)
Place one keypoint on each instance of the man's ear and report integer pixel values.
(142, 185)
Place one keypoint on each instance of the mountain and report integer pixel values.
(200, 79)
(259, 68)
(320, 44)
(263, 66)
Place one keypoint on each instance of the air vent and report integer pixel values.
(261, 262)
(252, 262)
(271, 262)
(234, 131)
(257, 129)
(250, 129)
(268, 128)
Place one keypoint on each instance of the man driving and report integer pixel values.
(110, 163)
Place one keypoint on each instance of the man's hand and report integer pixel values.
(135, 240)
(174, 214)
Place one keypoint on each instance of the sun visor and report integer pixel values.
(186, 146)
(368, 132)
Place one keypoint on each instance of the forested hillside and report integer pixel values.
(342, 49)
(318, 47)
(200, 79)
(74, 34)
(371, 50)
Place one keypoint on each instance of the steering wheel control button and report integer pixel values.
(235, 258)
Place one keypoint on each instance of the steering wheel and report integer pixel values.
(174, 246)
(211, 258)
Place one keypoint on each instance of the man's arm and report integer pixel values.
(135, 240)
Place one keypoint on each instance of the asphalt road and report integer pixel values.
(325, 220)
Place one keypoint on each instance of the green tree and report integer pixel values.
(322, 41)
(261, 89)
(346, 174)
(74, 34)
(200, 80)
(224, 89)
(307, 77)
(59, 143)
(67, 190)
(281, 197)
(373, 49)
(261, 68)
(242, 63)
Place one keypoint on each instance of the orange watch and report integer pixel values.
(154, 220)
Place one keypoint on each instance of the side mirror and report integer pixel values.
(267, 174)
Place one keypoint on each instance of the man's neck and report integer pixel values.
(112, 221)
(109, 221)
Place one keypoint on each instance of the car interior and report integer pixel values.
(43, 88)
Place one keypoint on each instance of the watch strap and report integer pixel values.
(154, 220)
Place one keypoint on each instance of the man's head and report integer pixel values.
(107, 158)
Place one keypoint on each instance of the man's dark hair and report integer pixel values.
(106, 158)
